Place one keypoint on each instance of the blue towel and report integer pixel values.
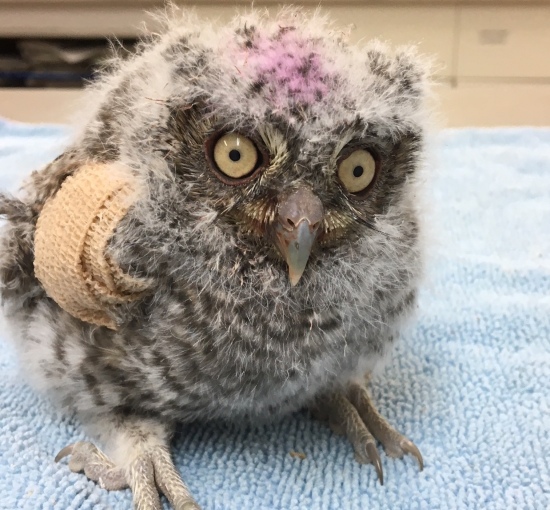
(469, 384)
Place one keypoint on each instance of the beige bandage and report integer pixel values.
(71, 239)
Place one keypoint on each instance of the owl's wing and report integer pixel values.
(72, 234)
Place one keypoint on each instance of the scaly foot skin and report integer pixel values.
(353, 414)
(151, 469)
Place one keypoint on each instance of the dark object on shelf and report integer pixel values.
(52, 62)
(13, 71)
(61, 63)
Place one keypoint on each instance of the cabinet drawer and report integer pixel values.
(504, 42)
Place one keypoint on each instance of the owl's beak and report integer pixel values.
(299, 222)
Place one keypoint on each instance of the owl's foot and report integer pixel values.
(95, 464)
(353, 414)
(150, 469)
(395, 444)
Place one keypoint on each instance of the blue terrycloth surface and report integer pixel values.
(470, 384)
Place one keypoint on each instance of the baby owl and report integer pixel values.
(264, 261)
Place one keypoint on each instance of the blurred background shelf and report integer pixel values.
(493, 60)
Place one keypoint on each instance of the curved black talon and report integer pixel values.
(372, 452)
(409, 447)
(65, 452)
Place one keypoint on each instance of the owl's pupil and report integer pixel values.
(358, 171)
(234, 155)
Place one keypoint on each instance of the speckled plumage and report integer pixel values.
(222, 333)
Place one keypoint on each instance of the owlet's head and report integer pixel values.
(276, 129)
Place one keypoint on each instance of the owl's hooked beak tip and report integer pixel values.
(296, 245)
(300, 217)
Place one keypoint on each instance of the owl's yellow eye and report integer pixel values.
(357, 171)
(235, 155)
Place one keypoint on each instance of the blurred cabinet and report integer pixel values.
(503, 40)
(431, 28)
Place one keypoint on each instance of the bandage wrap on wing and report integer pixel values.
(72, 234)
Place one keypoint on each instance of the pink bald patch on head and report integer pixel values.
(289, 65)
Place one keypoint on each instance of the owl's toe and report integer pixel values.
(344, 419)
(151, 471)
(395, 444)
(353, 414)
(169, 481)
(96, 465)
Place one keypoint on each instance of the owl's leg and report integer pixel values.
(353, 414)
(140, 459)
